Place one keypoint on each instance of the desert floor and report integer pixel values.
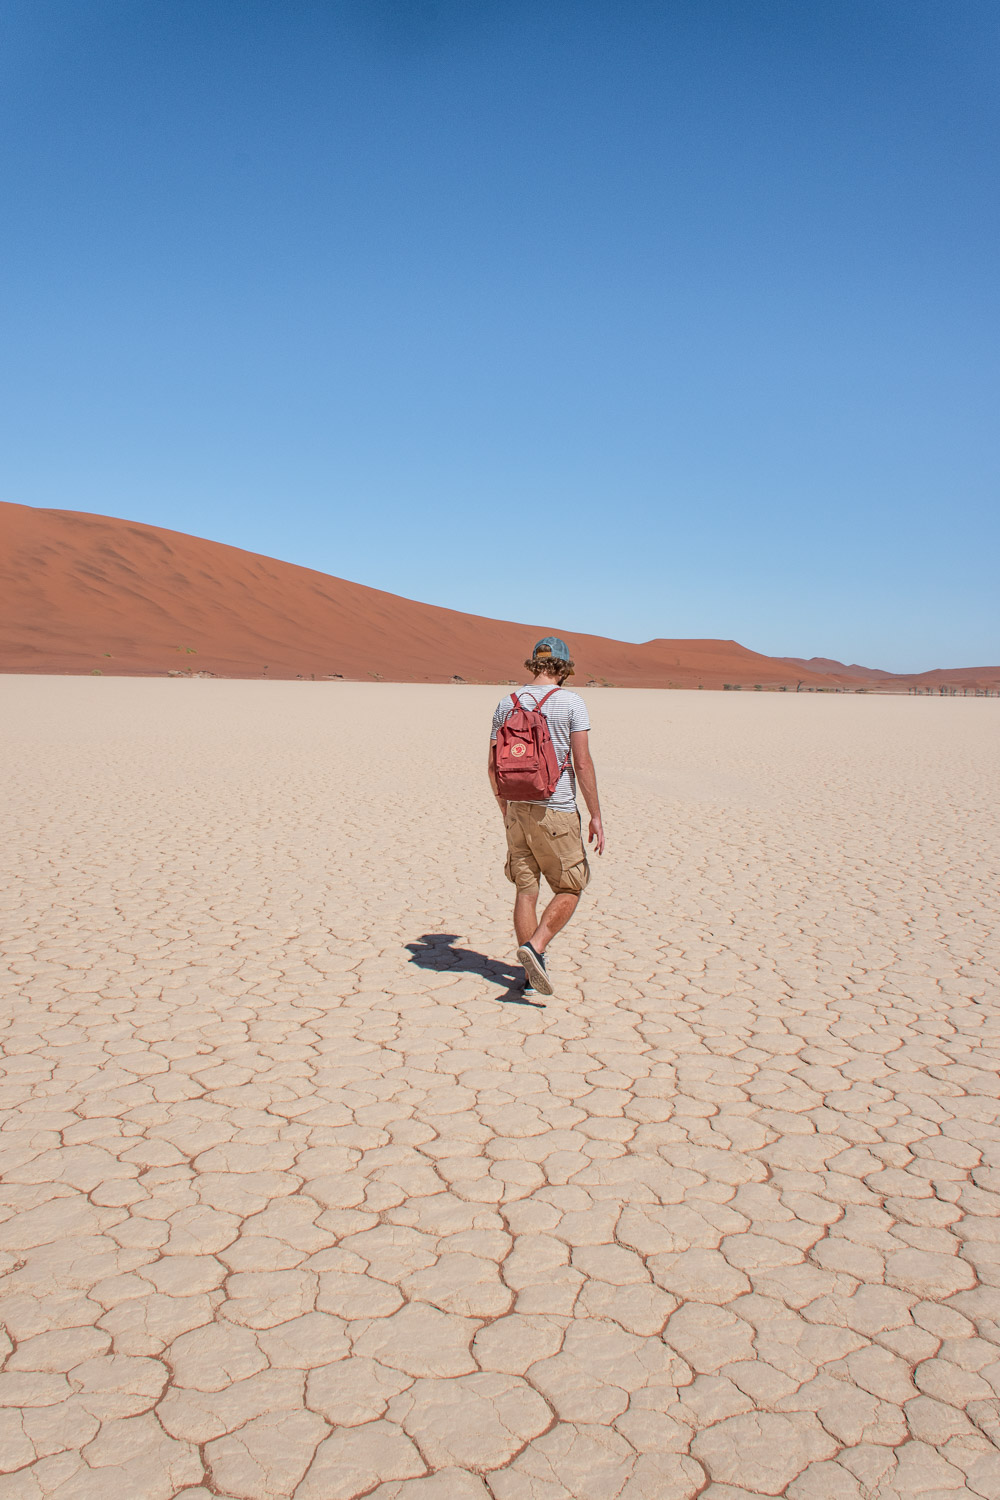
(303, 1200)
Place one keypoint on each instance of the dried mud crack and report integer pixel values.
(298, 1203)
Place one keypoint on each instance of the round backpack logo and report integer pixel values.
(518, 749)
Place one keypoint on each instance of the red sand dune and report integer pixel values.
(82, 593)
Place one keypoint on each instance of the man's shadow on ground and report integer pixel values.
(437, 951)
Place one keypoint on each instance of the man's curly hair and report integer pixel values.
(546, 662)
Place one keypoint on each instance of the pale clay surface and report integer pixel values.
(300, 1201)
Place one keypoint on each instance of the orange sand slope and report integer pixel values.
(82, 593)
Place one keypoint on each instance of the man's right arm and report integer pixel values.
(587, 777)
(491, 770)
(502, 711)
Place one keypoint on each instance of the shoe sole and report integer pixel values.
(539, 979)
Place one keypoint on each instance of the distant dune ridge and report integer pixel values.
(82, 593)
(829, 668)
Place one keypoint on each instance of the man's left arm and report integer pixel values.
(587, 777)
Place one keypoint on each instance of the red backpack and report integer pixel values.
(524, 757)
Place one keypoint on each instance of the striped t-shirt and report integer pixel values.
(565, 713)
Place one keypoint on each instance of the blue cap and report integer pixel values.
(551, 645)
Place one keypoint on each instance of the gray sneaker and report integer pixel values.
(534, 969)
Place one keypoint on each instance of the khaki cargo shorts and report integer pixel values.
(543, 840)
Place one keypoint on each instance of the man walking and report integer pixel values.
(544, 835)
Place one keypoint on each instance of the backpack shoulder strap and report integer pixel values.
(548, 695)
(513, 699)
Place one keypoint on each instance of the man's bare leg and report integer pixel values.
(539, 934)
(525, 914)
(554, 919)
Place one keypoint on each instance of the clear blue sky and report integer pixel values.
(642, 317)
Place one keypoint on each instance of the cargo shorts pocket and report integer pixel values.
(521, 870)
(574, 877)
(520, 867)
(567, 868)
